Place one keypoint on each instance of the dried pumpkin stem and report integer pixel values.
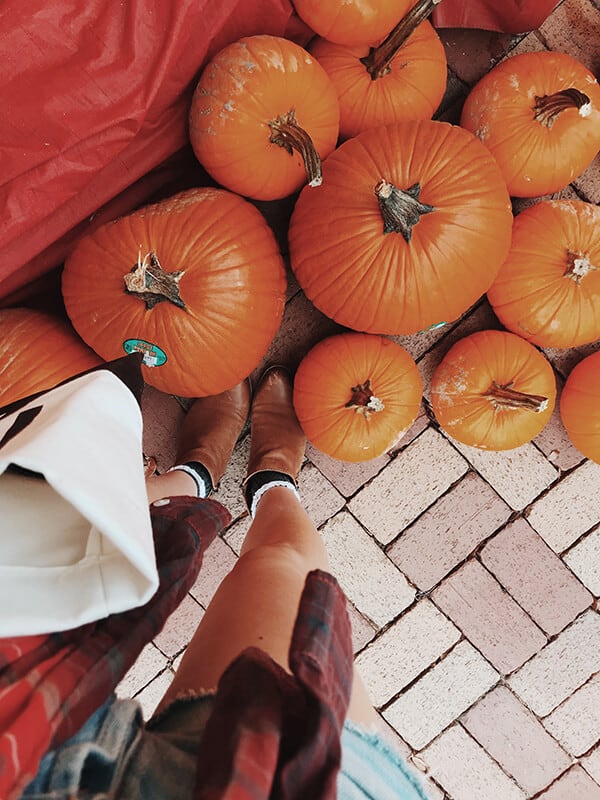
(578, 266)
(378, 61)
(148, 281)
(548, 107)
(363, 401)
(286, 132)
(400, 209)
(504, 396)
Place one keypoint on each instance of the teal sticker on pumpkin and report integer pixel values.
(153, 355)
(434, 327)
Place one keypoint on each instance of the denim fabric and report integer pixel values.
(116, 755)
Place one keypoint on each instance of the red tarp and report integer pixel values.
(95, 98)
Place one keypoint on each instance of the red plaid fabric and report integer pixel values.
(49, 685)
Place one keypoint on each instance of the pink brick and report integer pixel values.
(301, 328)
(576, 784)
(321, 499)
(449, 531)
(466, 771)
(471, 53)
(180, 627)
(571, 29)
(148, 665)
(346, 477)
(489, 617)
(162, 415)
(513, 736)
(362, 630)
(565, 360)
(535, 577)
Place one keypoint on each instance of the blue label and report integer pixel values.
(434, 326)
(153, 355)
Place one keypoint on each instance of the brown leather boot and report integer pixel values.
(211, 429)
(277, 441)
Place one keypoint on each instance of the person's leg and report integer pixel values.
(256, 604)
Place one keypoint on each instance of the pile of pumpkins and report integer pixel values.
(400, 225)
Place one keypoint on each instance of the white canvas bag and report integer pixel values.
(75, 538)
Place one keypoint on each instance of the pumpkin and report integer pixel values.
(539, 115)
(408, 229)
(493, 390)
(38, 351)
(548, 289)
(356, 394)
(404, 77)
(263, 115)
(580, 406)
(352, 21)
(195, 282)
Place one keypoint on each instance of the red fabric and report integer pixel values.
(94, 97)
(508, 16)
(50, 685)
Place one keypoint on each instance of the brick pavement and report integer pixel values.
(473, 577)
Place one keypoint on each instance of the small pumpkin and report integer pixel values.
(403, 77)
(195, 282)
(38, 351)
(493, 390)
(356, 394)
(262, 117)
(352, 21)
(548, 289)
(539, 115)
(408, 230)
(580, 406)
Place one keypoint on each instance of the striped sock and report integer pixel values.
(200, 474)
(264, 480)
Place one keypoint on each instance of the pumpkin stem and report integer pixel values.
(400, 209)
(378, 61)
(148, 281)
(363, 402)
(578, 266)
(286, 132)
(503, 396)
(548, 107)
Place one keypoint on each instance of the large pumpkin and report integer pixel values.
(409, 228)
(580, 406)
(404, 77)
(539, 115)
(352, 21)
(356, 394)
(263, 116)
(548, 289)
(196, 282)
(38, 351)
(493, 390)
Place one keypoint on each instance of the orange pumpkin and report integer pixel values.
(352, 21)
(355, 395)
(404, 77)
(580, 406)
(539, 115)
(493, 390)
(409, 228)
(548, 289)
(38, 351)
(196, 282)
(263, 116)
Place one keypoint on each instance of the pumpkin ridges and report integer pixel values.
(531, 294)
(247, 296)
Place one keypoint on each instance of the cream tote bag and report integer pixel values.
(75, 535)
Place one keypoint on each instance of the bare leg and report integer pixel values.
(256, 604)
